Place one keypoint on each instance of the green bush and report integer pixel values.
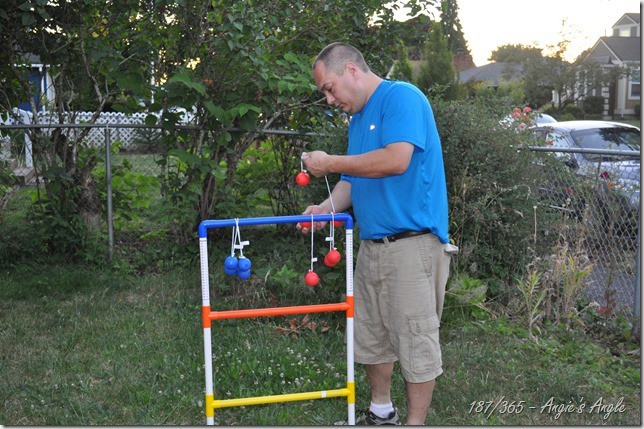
(490, 189)
(551, 110)
(593, 105)
(576, 111)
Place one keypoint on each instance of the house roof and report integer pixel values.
(493, 73)
(615, 50)
(628, 18)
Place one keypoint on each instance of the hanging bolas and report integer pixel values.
(302, 178)
(332, 258)
(230, 265)
(311, 279)
(243, 268)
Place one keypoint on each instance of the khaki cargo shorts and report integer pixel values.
(399, 290)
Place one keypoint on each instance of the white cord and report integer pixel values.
(241, 244)
(232, 241)
(330, 197)
(312, 232)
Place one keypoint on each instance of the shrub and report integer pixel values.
(567, 117)
(550, 110)
(490, 191)
(593, 105)
(576, 111)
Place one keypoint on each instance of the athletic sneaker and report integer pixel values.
(367, 418)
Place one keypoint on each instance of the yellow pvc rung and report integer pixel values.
(289, 397)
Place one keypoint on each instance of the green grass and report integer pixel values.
(86, 347)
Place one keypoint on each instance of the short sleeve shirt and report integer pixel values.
(416, 199)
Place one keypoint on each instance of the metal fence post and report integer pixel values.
(108, 181)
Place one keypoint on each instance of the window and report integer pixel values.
(634, 85)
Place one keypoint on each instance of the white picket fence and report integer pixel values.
(96, 136)
(129, 138)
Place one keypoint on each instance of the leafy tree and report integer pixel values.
(95, 52)
(402, 68)
(238, 64)
(451, 26)
(515, 53)
(414, 34)
(437, 73)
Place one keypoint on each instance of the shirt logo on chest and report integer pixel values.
(372, 127)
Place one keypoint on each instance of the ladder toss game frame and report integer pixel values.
(208, 315)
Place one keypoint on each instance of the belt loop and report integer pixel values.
(385, 240)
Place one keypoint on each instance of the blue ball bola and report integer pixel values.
(244, 264)
(230, 263)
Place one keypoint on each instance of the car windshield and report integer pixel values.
(607, 138)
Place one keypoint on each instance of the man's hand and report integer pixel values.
(316, 162)
(314, 209)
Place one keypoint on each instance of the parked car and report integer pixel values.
(533, 118)
(543, 118)
(605, 153)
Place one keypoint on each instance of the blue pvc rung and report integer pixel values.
(205, 225)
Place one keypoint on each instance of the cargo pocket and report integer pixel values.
(425, 353)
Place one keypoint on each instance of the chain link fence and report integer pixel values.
(600, 212)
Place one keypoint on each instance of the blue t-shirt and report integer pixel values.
(417, 199)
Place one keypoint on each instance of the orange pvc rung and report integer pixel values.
(277, 311)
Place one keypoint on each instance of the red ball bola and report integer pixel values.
(302, 178)
(311, 279)
(305, 224)
(332, 258)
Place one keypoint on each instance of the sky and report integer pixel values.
(488, 24)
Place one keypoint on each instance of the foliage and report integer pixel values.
(515, 53)
(402, 67)
(574, 111)
(413, 34)
(513, 92)
(131, 192)
(437, 74)
(533, 296)
(93, 55)
(543, 74)
(593, 104)
(465, 299)
(490, 187)
(452, 28)
(227, 65)
(253, 79)
(7, 180)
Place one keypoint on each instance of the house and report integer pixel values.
(621, 49)
(39, 76)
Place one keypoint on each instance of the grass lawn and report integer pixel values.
(91, 347)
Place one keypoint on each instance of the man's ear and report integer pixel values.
(351, 68)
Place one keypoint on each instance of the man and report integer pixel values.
(394, 177)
